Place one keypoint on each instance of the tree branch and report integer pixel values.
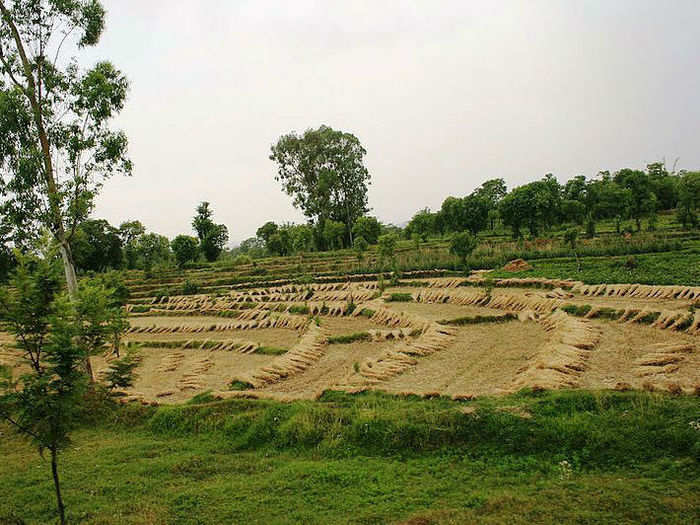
(25, 430)
(6, 65)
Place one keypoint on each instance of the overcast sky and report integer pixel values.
(442, 94)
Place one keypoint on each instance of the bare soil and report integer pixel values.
(482, 361)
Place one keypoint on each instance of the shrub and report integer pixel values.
(240, 385)
(185, 248)
(120, 373)
(570, 237)
(190, 288)
(350, 338)
(242, 259)
(462, 245)
(399, 298)
(631, 263)
(387, 245)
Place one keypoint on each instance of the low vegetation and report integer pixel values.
(519, 459)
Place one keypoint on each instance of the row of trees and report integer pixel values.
(287, 239)
(543, 204)
(97, 246)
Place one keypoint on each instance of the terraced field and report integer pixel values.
(447, 336)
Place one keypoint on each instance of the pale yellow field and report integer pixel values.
(405, 349)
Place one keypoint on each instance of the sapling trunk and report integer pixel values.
(57, 486)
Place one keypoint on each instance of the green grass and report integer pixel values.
(680, 267)
(240, 385)
(399, 298)
(349, 338)
(478, 319)
(270, 350)
(373, 458)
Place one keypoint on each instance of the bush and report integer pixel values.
(387, 245)
(350, 338)
(185, 248)
(242, 259)
(462, 245)
(190, 288)
(399, 298)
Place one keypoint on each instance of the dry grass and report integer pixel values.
(547, 349)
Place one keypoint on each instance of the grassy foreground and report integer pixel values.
(563, 457)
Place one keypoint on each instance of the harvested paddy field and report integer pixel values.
(445, 336)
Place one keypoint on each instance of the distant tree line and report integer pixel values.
(98, 246)
(539, 206)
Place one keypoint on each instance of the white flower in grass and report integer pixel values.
(565, 469)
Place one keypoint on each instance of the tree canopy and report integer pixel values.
(56, 144)
(212, 237)
(323, 170)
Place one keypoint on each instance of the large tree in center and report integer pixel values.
(212, 237)
(56, 146)
(323, 171)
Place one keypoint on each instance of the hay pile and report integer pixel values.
(303, 355)
(663, 358)
(400, 358)
(517, 265)
(562, 360)
(191, 380)
(171, 362)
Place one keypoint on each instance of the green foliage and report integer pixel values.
(129, 232)
(674, 267)
(212, 237)
(56, 335)
(323, 171)
(270, 350)
(122, 372)
(185, 248)
(152, 250)
(534, 205)
(570, 237)
(242, 259)
(190, 288)
(577, 310)
(367, 228)
(423, 224)
(299, 309)
(387, 245)
(333, 234)
(101, 318)
(240, 385)
(462, 245)
(469, 213)
(266, 231)
(689, 199)
(361, 246)
(97, 246)
(642, 200)
(399, 298)
(56, 145)
(629, 446)
(478, 319)
(349, 338)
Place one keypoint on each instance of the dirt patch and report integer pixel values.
(279, 337)
(335, 370)
(483, 360)
(213, 371)
(437, 312)
(348, 325)
(621, 349)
